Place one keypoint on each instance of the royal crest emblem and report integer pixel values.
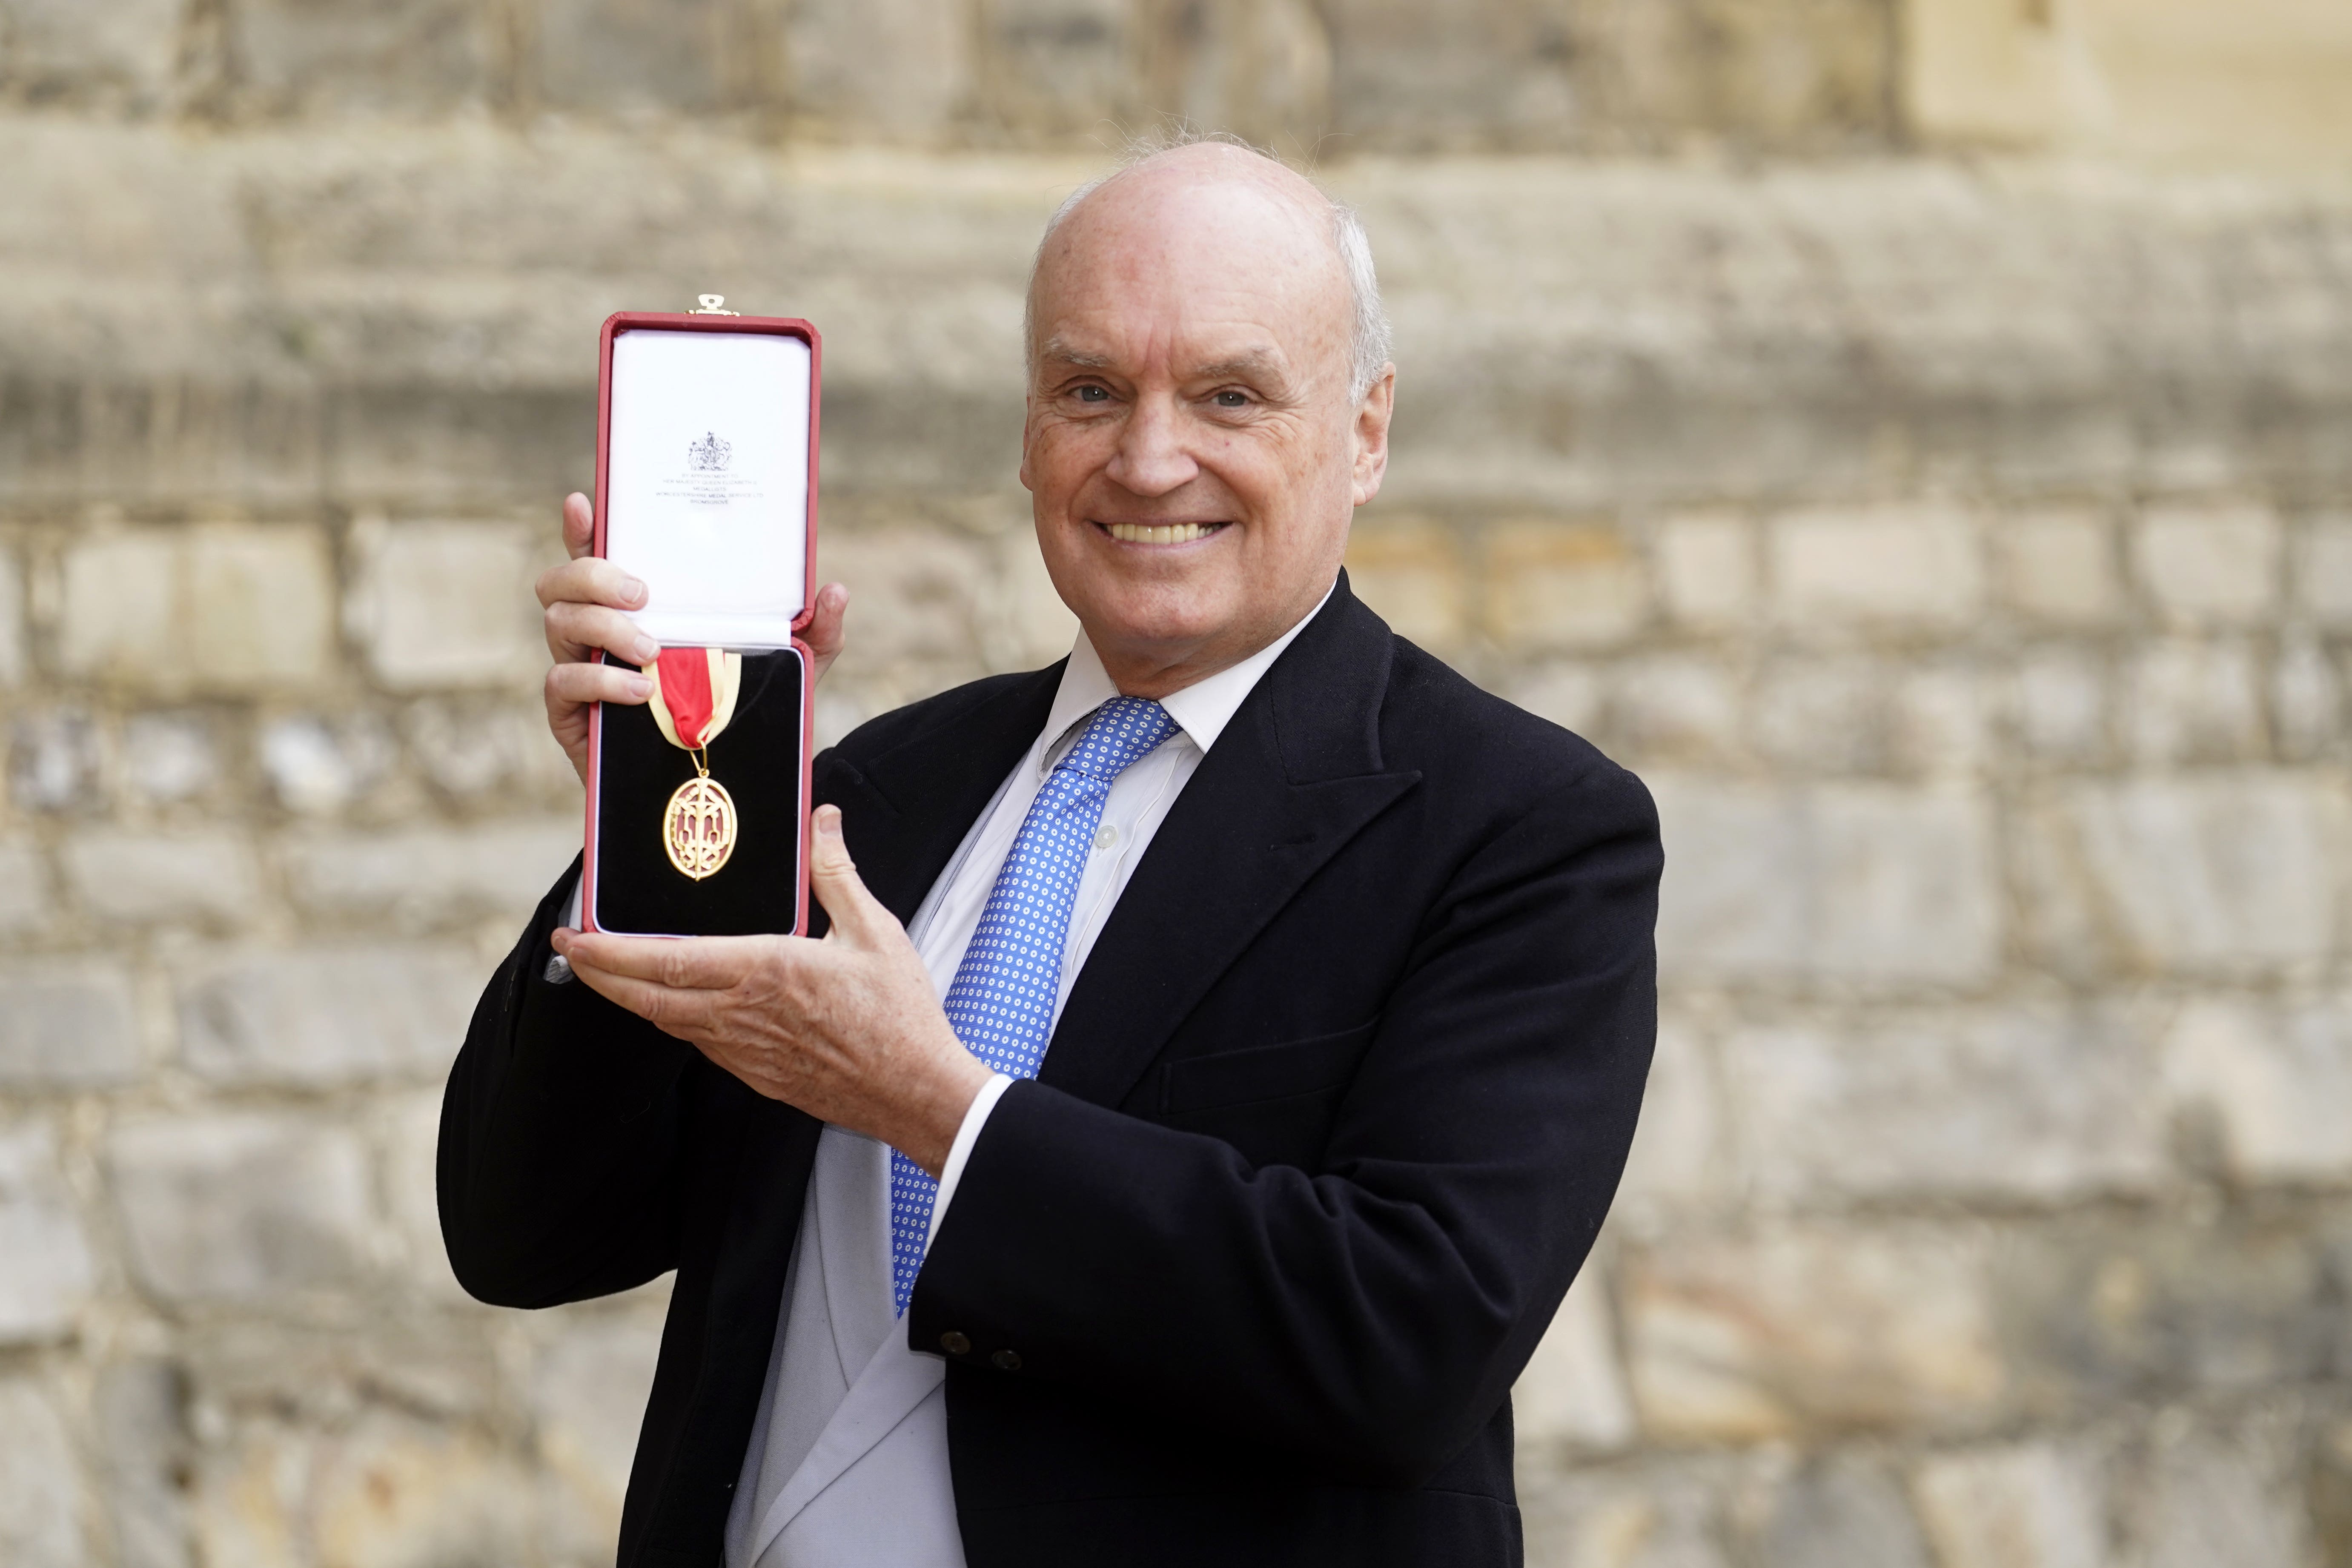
(711, 453)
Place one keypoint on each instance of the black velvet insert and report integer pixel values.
(757, 759)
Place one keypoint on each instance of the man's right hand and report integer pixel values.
(585, 600)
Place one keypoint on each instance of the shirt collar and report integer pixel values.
(1201, 711)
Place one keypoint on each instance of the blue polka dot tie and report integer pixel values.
(1000, 1003)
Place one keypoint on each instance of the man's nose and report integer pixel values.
(1152, 458)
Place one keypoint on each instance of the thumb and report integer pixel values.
(856, 915)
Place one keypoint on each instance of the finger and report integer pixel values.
(576, 685)
(824, 633)
(856, 915)
(591, 580)
(691, 963)
(579, 525)
(574, 629)
(684, 1014)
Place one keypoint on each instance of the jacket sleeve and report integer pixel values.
(1372, 1315)
(557, 1173)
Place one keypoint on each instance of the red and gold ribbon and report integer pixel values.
(693, 699)
(694, 693)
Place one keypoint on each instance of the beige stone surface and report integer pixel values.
(1795, 1331)
(2023, 1103)
(1861, 882)
(1572, 1391)
(409, 1132)
(1679, 708)
(1682, 1154)
(1413, 574)
(2223, 872)
(1990, 73)
(242, 1205)
(2274, 1078)
(587, 1394)
(223, 608)
(1648, 1515)
(2058, 705)
(2254, 78)
(1920, 564)
(250, 1492)
(2194, 701)
(67, 1025)
(2213, 565)
(12, 653)
(50, 1271)
(1911, 434)
(200, 877)
(2218, 1493)
(1707, 564)
(443, 604)
(396, 1493)
(1847, 1507)
(2059, 565)
(1549, 586)
(25, 898)
(41, 1490)
(2323, 576)
(429, 876)
(321, 1015)
(2026, 1505)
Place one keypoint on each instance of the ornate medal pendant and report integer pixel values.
(698, 826)
(693, 699)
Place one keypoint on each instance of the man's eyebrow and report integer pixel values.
(1077, 359)
(1253, 362)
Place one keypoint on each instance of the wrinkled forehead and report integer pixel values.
(1189, 262)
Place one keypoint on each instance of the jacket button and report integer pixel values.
(1007, 1360)
(955, 1343)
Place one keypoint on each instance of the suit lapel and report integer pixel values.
(1293, 777)
(907, 812)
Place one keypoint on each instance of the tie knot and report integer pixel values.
(1122, 731)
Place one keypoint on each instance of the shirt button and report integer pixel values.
(955, 1343)
(1105, 836)
(1007, 1360)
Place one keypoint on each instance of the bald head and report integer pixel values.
(1215, 182)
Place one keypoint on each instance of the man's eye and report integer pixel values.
(1230, 399)
(1091, 394)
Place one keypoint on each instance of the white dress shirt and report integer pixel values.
(847, 1464)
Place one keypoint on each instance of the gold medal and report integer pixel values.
(699, 827)
(693, 699)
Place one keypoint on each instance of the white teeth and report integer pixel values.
(1159, 533)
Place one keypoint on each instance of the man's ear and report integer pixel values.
(1371, 434)
(1028, 409)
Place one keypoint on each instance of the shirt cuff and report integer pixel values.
(559, 968)
(961, 1150)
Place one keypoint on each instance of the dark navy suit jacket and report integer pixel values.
(1326, 1129)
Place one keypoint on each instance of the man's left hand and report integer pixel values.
(847, 1028)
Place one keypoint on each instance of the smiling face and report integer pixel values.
(1192, 447)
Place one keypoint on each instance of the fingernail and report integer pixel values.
(828, 821)
(633, 589)
(648, 650)
(638, 685)
(561, 940)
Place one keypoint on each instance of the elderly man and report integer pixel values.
(1224, 1047)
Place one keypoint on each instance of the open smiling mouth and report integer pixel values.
(1159, 532)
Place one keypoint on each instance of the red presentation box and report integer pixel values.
(706, 489)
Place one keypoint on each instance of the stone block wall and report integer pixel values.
(1960, 545)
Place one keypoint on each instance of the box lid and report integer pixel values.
(706, 471)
